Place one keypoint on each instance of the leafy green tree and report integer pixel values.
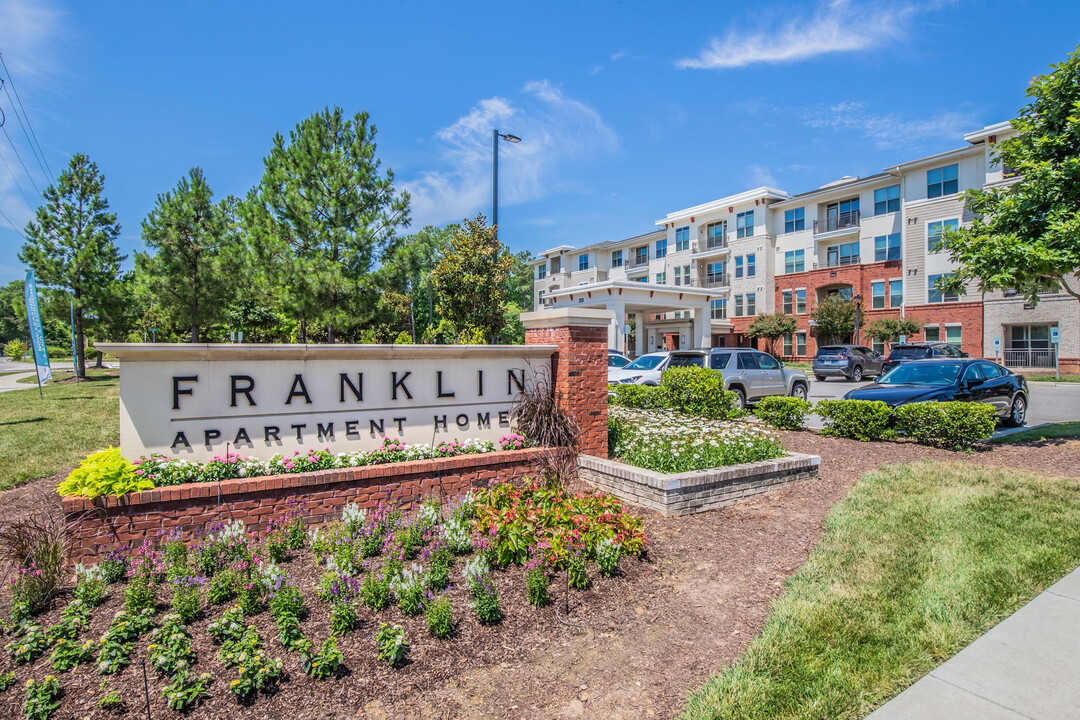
(471, 281)
(320, 215)
(405, 276)
(187, 274)
(13, 312)
(889, 330)
(834, 319)
(1026, 235)
(71, 244)
(771, 328)
(521, 281)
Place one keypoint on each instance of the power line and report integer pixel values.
(39, 153)
(16, 180)
(17, 155)
(4, 215)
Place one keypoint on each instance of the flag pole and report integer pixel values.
(36, 373)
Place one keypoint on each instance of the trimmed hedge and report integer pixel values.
(948, 425)
(783, 412)
(642, 397)
(698, 391)
(863, 420)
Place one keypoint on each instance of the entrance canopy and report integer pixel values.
(642, 300)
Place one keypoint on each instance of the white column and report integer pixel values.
(702, 337)
(616, 339)
(640, 335)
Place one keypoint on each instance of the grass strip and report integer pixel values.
(39, 437)
(914, 564)
(1048, 432)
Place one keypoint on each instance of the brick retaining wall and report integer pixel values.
(697, 491)
(96, 526)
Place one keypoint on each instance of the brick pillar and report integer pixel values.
(578, 367)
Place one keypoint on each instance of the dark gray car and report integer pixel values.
(852, 362)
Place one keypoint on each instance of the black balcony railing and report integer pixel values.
(713, 243)
(838, 221)
(636, 263)
(716, 280)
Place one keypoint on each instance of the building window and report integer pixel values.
(642, 279)
(540, 298)
(738, 306)
(641, 255)
(714, 273)
(661, 278)
(719, 309)
(787, 345)
(751, 303)
(744, 224)
(739, 266)
(661, 248)
(751, 265)
(583, 262)
(952, 334)
(800, 344)
(800, 302)
(682, 238)
(846, 254)
(794, 220)
(887, 200)
(878, 346)
(942, 181)
(934, 231)
(616, 258)
(877, 294)
(789, 307)
(794, 261)
(887, 247)
(932, 333)
(934, 295)
(716, 234)
(682, 275)
(896, 293)
(541, 272)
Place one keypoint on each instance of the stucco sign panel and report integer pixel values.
(197, 401)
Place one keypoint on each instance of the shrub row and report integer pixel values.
(690, 390)
(948, 425)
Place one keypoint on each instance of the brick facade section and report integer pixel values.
(968, 314)
(579, 376)
(96, 526)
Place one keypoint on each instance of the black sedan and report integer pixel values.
(968, 380)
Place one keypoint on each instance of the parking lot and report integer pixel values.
(1049, 401)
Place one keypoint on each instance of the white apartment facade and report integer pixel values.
(708, 270)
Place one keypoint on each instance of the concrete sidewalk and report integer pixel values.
(1028, 666)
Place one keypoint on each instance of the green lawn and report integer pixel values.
(1065, 377)
(41, 437)
(799, 366)
(1050, 432)
(916, 562)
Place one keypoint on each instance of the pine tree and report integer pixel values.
(188, 275)
(320, 215)
(71, 244)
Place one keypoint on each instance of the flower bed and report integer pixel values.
(296, 600)
(671, 442)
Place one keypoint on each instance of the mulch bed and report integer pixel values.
(634, 646)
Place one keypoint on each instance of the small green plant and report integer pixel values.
(110, 699)
(15, 349)
(948, 425)
(486, 601)
(29, 646)
(296, 534)
(324, 663)
(227, 628)
(290, 635)
(104, 473)
(393, 648)
(782, 412)
(439, 616)
(257, 672)
(7, 680)
(578, 574)
(141, 594)
(68, 654)
(250, 599)
(187, 690)
(608, 553)
(375, 592)
(438, 575)
(42, 698)
(90, 584)
(536, 586)
(277, 546)
(408, 586)
(114, 567)
(864, 420)
(222, 588)
(643, 397)
(343, 617)
(170, 647)
(187, 598)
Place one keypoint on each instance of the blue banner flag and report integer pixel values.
(37, 335)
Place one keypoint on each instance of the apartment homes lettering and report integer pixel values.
(700, 279)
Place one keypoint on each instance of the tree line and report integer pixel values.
(314, 253)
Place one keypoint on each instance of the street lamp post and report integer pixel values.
(495, 136)
(858, 316)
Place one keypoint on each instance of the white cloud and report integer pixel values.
(557, 132)
(891, 130)
(833, 26)
(760, 176)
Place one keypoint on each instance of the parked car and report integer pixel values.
(616, 359)
(852, 362)
(940, 379)
(919, 351)
(647, 369)
(753, 375)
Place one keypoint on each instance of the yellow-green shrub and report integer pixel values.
(106, 472)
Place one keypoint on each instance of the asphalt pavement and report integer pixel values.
(1050, 402)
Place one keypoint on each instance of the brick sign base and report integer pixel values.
(97, 526)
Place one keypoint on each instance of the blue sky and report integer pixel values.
(628, 110)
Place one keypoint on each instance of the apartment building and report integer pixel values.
(702, 277)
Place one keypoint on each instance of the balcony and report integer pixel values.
(712, 280)
(838, 222)
(711, 246)
(1029, 357)
(637, 264)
